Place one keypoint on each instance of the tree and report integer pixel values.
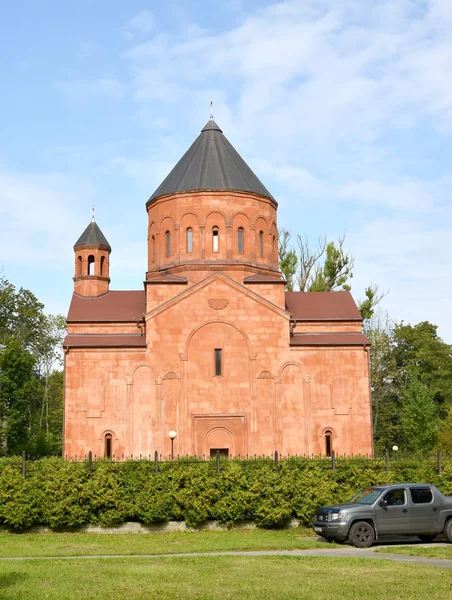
(287, 260)
(419, 352)
(385, 382)
(18, 389)
(419, 417)
(326, 268)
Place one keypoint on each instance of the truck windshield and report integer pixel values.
(368, 496)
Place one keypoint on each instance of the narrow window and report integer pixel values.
(261, 243)
(168, 243)
(215, 239)
(102, 266)
(218, 365)
(240, 239)
(79, 265)
(274, 248)
(189, 240)
(108, 445)
(328, 442)
(153, 248)
(90, 264)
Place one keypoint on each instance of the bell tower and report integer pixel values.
(92, 262)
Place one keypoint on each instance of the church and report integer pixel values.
(211, 350)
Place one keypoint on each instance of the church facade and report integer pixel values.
(213, 348)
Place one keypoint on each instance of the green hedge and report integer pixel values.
(67, 494)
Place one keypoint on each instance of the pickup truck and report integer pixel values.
(401, 509)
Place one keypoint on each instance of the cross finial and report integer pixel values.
(211, 109)
(93, 215)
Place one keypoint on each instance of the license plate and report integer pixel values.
(318, 529)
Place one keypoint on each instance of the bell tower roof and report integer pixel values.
(92, 236)
(211, 164)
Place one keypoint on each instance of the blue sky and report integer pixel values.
(343, 109)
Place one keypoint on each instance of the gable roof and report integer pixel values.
(322, 306)
(112, 306)
(92, 236)
(212, 164)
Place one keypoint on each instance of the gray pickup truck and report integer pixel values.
(402, 509)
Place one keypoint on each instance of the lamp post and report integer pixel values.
(395, 449)
(172, 436)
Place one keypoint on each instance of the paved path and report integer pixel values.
(342, 553)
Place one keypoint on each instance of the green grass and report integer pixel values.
(430, 552)
(221, 578)
(79, 544)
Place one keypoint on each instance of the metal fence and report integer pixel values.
(386, 460)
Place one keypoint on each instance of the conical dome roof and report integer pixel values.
(92, 236)
(211, 164)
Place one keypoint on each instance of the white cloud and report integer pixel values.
(142, 24)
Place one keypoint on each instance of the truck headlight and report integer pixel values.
(336, 516)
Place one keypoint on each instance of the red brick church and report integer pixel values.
(213, 348)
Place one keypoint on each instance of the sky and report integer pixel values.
(343, 108)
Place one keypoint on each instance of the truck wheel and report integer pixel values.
(362, 535)
(426, 538)
(448, 531)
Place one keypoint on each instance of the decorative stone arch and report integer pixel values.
(187, 214)
(142, 364)
(212, 321)
(222, 438)
(260, 218)
(170, 375)
(326, 437)
(243, 214)
(108, 439)
(171, 218)
(265, 375)
(288, 364)
(216, 212)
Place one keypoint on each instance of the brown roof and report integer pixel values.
(102, 341)
(263, 279)
(112, 306)
(322, 306)
(329, 339)
(167, 279)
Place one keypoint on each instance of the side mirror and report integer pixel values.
(383, 503)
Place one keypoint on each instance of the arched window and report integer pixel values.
(102, 266)
(90, 264)
(189, 240)
(328, 442)
(261, 243)
(78, 268)
(215, 239)
(153, 248)
(240, 239)
(108, 452)
(168, 243)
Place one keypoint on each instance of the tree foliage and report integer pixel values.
(31, 387)
(326, 267)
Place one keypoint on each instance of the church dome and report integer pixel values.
(211, 164)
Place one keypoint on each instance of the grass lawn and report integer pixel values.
(77, 544)
(430, 552)
(221, 578)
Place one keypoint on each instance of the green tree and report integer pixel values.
(288, 260)
(18, 390)
(419, 352)
(385, 382)
(419, 417)
(328, 267)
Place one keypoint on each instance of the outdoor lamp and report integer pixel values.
(172, 436)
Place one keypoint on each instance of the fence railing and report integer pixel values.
(387, 459)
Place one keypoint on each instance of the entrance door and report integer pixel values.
(221, 451)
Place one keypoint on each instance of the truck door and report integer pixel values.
(424, 511)
(392, 512)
